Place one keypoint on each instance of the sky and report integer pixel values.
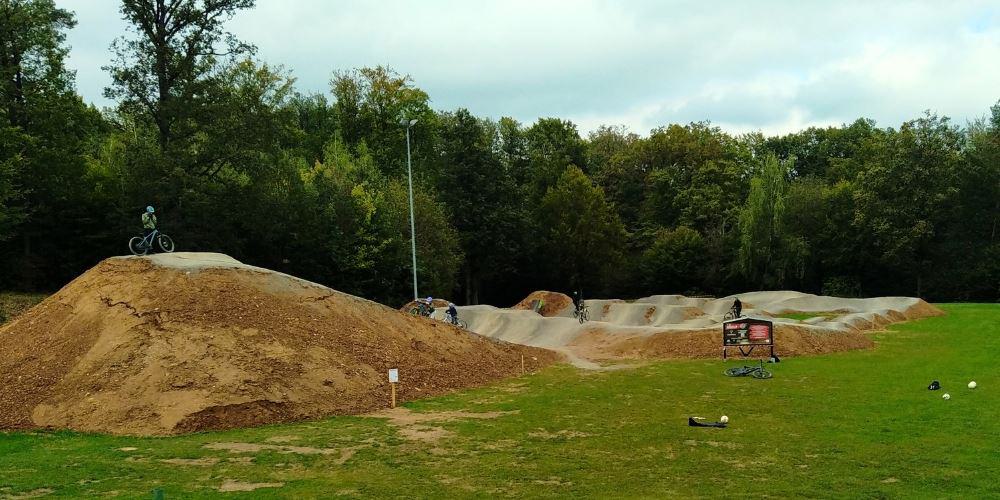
(772, 66)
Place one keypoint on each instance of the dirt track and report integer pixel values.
(673, 326)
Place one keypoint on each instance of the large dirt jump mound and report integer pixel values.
(184, 342)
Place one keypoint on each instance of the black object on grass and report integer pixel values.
(694, 423)
(935, 385)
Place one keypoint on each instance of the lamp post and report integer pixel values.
(413, 229)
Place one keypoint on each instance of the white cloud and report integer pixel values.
(775, 66)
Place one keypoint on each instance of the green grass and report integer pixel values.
(13, 304)
(804, 316)
(858, 424)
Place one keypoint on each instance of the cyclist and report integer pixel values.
(737, 308)
(452, 313)
(148, 221)
(428, 306)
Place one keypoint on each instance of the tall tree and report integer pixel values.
(553, 145)
(906, 190)
(167, 70)
(370, 104)
(485, 203)
(767, 251)
(44, 134)
(582, 235)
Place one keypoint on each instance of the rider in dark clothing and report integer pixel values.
(148, 221)
(738, 307)
(452, 312)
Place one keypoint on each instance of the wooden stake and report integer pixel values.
(522, 364)
(393, 395)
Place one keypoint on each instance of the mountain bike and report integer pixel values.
(732, 314)
(422, 309)
(141, 245)
(455, 321)
(753, 371)
(581, 313)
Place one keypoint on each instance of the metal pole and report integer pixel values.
(413, 229)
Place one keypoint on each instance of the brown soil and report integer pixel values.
(437, 303)
(411, 425)
(131, 347)
(790, 340)
(554, 302)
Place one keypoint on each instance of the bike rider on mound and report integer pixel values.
(737, 308)
(428, 306)
(452, 313)
(148, 222)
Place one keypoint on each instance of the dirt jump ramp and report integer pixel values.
(674, 326)
(185, 342)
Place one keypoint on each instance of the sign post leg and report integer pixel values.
(393, 394)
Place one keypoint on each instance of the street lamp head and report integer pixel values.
(407, 123)
(413, 122)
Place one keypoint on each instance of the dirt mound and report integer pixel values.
(553, 303)
(600, 344)
(187, 342)
(437, 303)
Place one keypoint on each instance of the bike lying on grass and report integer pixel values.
(140, 245)
(753, 371)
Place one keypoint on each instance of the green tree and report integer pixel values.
(675, 262)
(553, 145)
(45, 131)
(582, 236)
(767, 252)
(484, 201)
(906, 191)
(369, 106)
(620, 165)
(169, 71)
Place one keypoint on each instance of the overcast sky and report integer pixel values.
(770, 66)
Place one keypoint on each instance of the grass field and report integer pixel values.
(858, 424)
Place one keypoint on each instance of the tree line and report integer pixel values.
(237, 160)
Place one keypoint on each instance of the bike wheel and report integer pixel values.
(415, 311)
(166, 244)
(736, 371)
(729, 316)
(136, 247)
(761, 374)
(463, 324)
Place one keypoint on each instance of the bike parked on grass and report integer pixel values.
(141, 245)
(752, 371)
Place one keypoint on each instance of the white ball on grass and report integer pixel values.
(946, 396)
(972, 385)
(724, 419)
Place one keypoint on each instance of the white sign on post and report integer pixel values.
(393, 375)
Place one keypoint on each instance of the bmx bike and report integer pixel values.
(581, 313)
